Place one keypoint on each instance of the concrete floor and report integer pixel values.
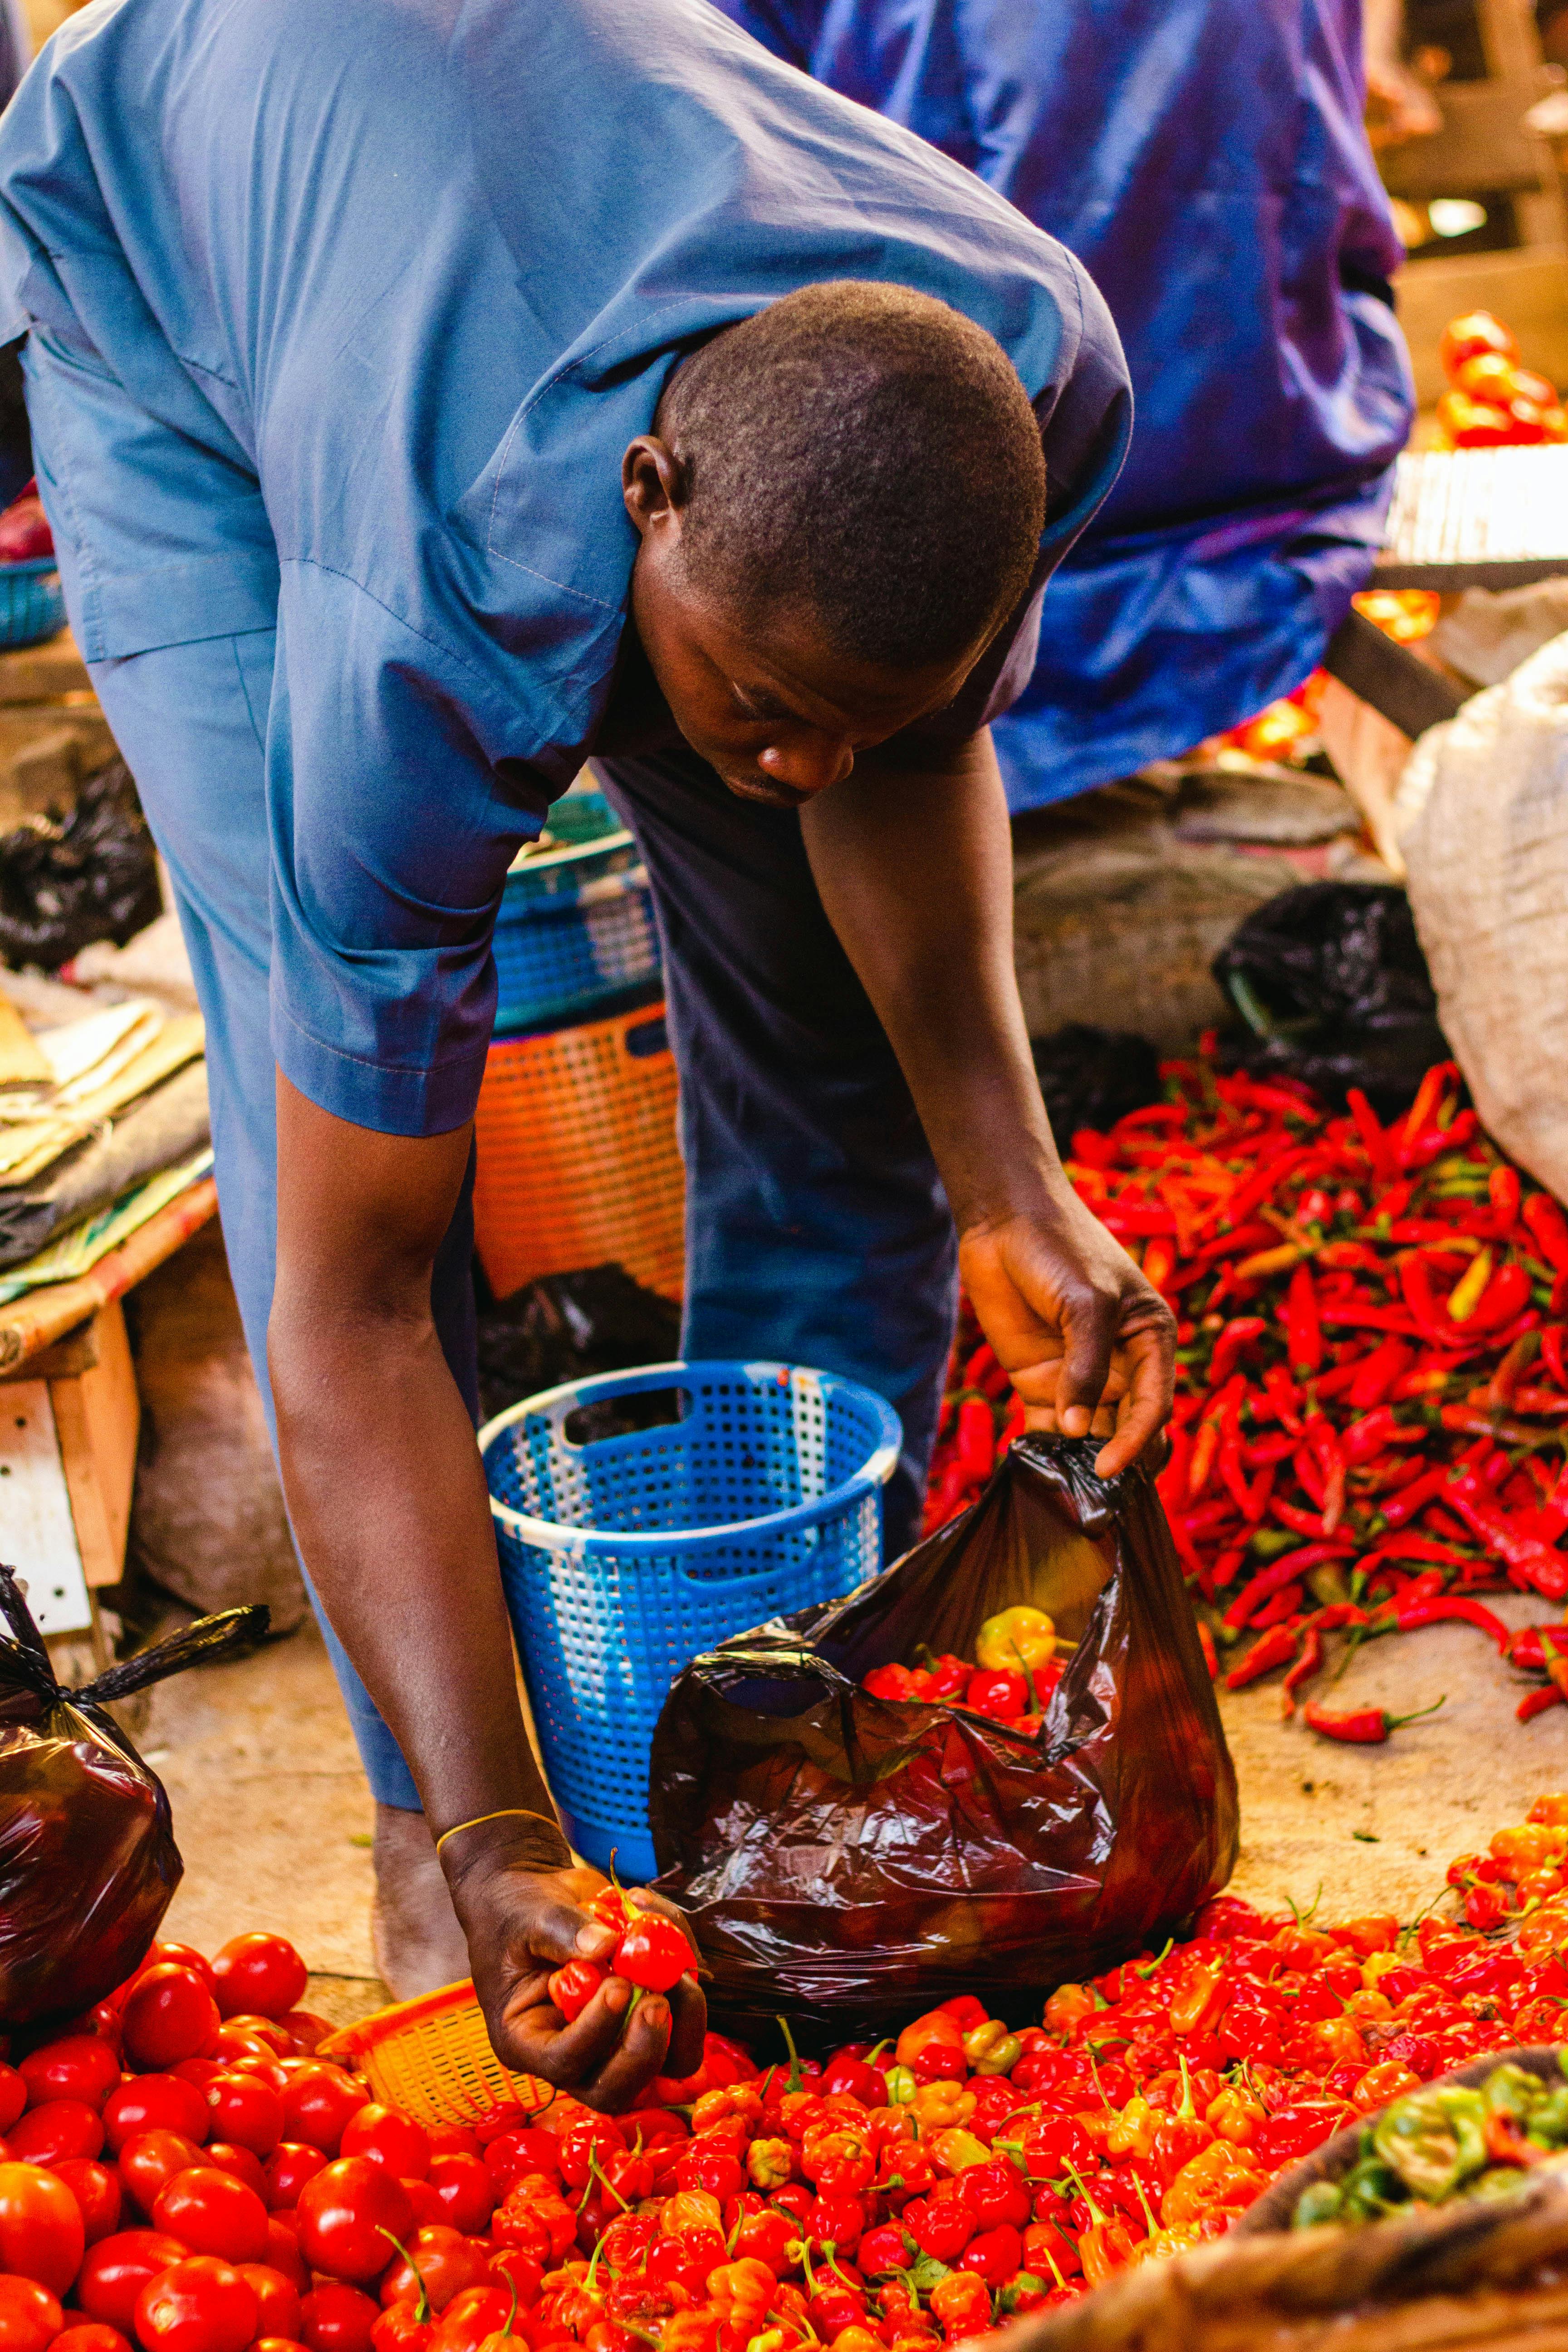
(273, 1815)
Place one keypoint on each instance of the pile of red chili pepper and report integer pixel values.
(183, 2171)
(1371, 1409)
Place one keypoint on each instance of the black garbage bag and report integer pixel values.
(1334, 989)
(88, 1858)
(567, 1326)
(852, 1862)
(65, 882)
(1092, 1077)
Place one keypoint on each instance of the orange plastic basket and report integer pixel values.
(432, 2059)
(579, 1163)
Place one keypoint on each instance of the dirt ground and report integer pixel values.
(273, 1815)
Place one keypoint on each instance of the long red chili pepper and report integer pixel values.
(1303, 1333)
(1376, 1373)
(1280, 1643)
(1374, 1142)
(1540, 1565)
(1305, 1667)
(1550, 1228)
(1411, 1500)
(1536, 1702)
(1411, 1615)
(1364, 1726)
(1287, 1569)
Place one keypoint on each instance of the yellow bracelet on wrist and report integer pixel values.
(507, 1812)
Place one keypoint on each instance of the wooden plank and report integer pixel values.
(29, 1325)
(1529, 288)
(1483, 147)
(97, 1415)
(75, 1353)
(40, 1541)
(1511, 40)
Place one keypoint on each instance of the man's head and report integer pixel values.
(840, 505)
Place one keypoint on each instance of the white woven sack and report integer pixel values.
(1481, 816)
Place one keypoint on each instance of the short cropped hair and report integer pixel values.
(864, 453)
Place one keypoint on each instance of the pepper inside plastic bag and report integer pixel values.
(853, 1862)
(88, 1858)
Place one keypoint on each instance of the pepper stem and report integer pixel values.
(1393, 1722)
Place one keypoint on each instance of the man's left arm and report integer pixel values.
(915, 868)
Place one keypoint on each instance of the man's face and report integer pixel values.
(779, 718)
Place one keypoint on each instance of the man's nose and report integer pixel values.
(809, 763)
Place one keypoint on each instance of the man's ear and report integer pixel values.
(653, 485)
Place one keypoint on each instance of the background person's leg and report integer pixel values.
(817, 1227)
(189, 719)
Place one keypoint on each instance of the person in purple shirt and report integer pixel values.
(1207, 162)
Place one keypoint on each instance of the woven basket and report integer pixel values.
(579, 1163)
(432, 2059)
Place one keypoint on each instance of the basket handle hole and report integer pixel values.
(649, 1038)
(624, 1416)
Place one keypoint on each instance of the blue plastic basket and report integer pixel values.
(623, 1557)
(575, 938)
(32, 606)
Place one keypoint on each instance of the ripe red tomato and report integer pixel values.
(467, 2195)
(306, 2029)
(289, 2166)
(80, 2067)
(318, 2102)
(349, 2212)
(184, 1956)
(30, 2316)
(270, 2030)
(213, 2213)
(200, 2304)
(170, 2016)
(42, 2235)
(396, 2142)
(92, 2336)
(278, 2298)
(153, 2103)
(277, 2343)
(199, 2071)
(116, 2270)
(96, 2190)
(424, 2203)
(261, 1973)
(13, 2097)
(283, 2253)
(248, 2113)
(454, 2140)
(64, 2127)
(153, 2159)
(239, 2161)
(337, 2319)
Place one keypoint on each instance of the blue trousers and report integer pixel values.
(817, 1231)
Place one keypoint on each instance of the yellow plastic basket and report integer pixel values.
(431, 2058)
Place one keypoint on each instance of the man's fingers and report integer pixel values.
(574, 2054)
(559, 1932)
(1090, 1334)
(690, 2010)
(632, 2062)
(1152, 1358)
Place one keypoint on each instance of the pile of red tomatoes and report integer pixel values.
(179, 2172)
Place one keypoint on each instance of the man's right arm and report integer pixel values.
(387, 1496)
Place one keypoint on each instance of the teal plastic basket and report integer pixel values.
(32, 605)
(625, 1556)
(575, 938)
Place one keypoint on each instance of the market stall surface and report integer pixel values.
(273, 1815)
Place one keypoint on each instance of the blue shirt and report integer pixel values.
(1207, 161)
(354, 310)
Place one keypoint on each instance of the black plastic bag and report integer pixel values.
(1333, 988)
(1092, 1077)
(88, 1858)
(65, 882)
(852, 1862)
(567, 1326)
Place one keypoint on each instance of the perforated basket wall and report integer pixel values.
(432, 2059)
(578, 1159)
(625, 1556)
(32, 603)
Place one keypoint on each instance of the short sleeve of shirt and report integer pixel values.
(391, 830)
